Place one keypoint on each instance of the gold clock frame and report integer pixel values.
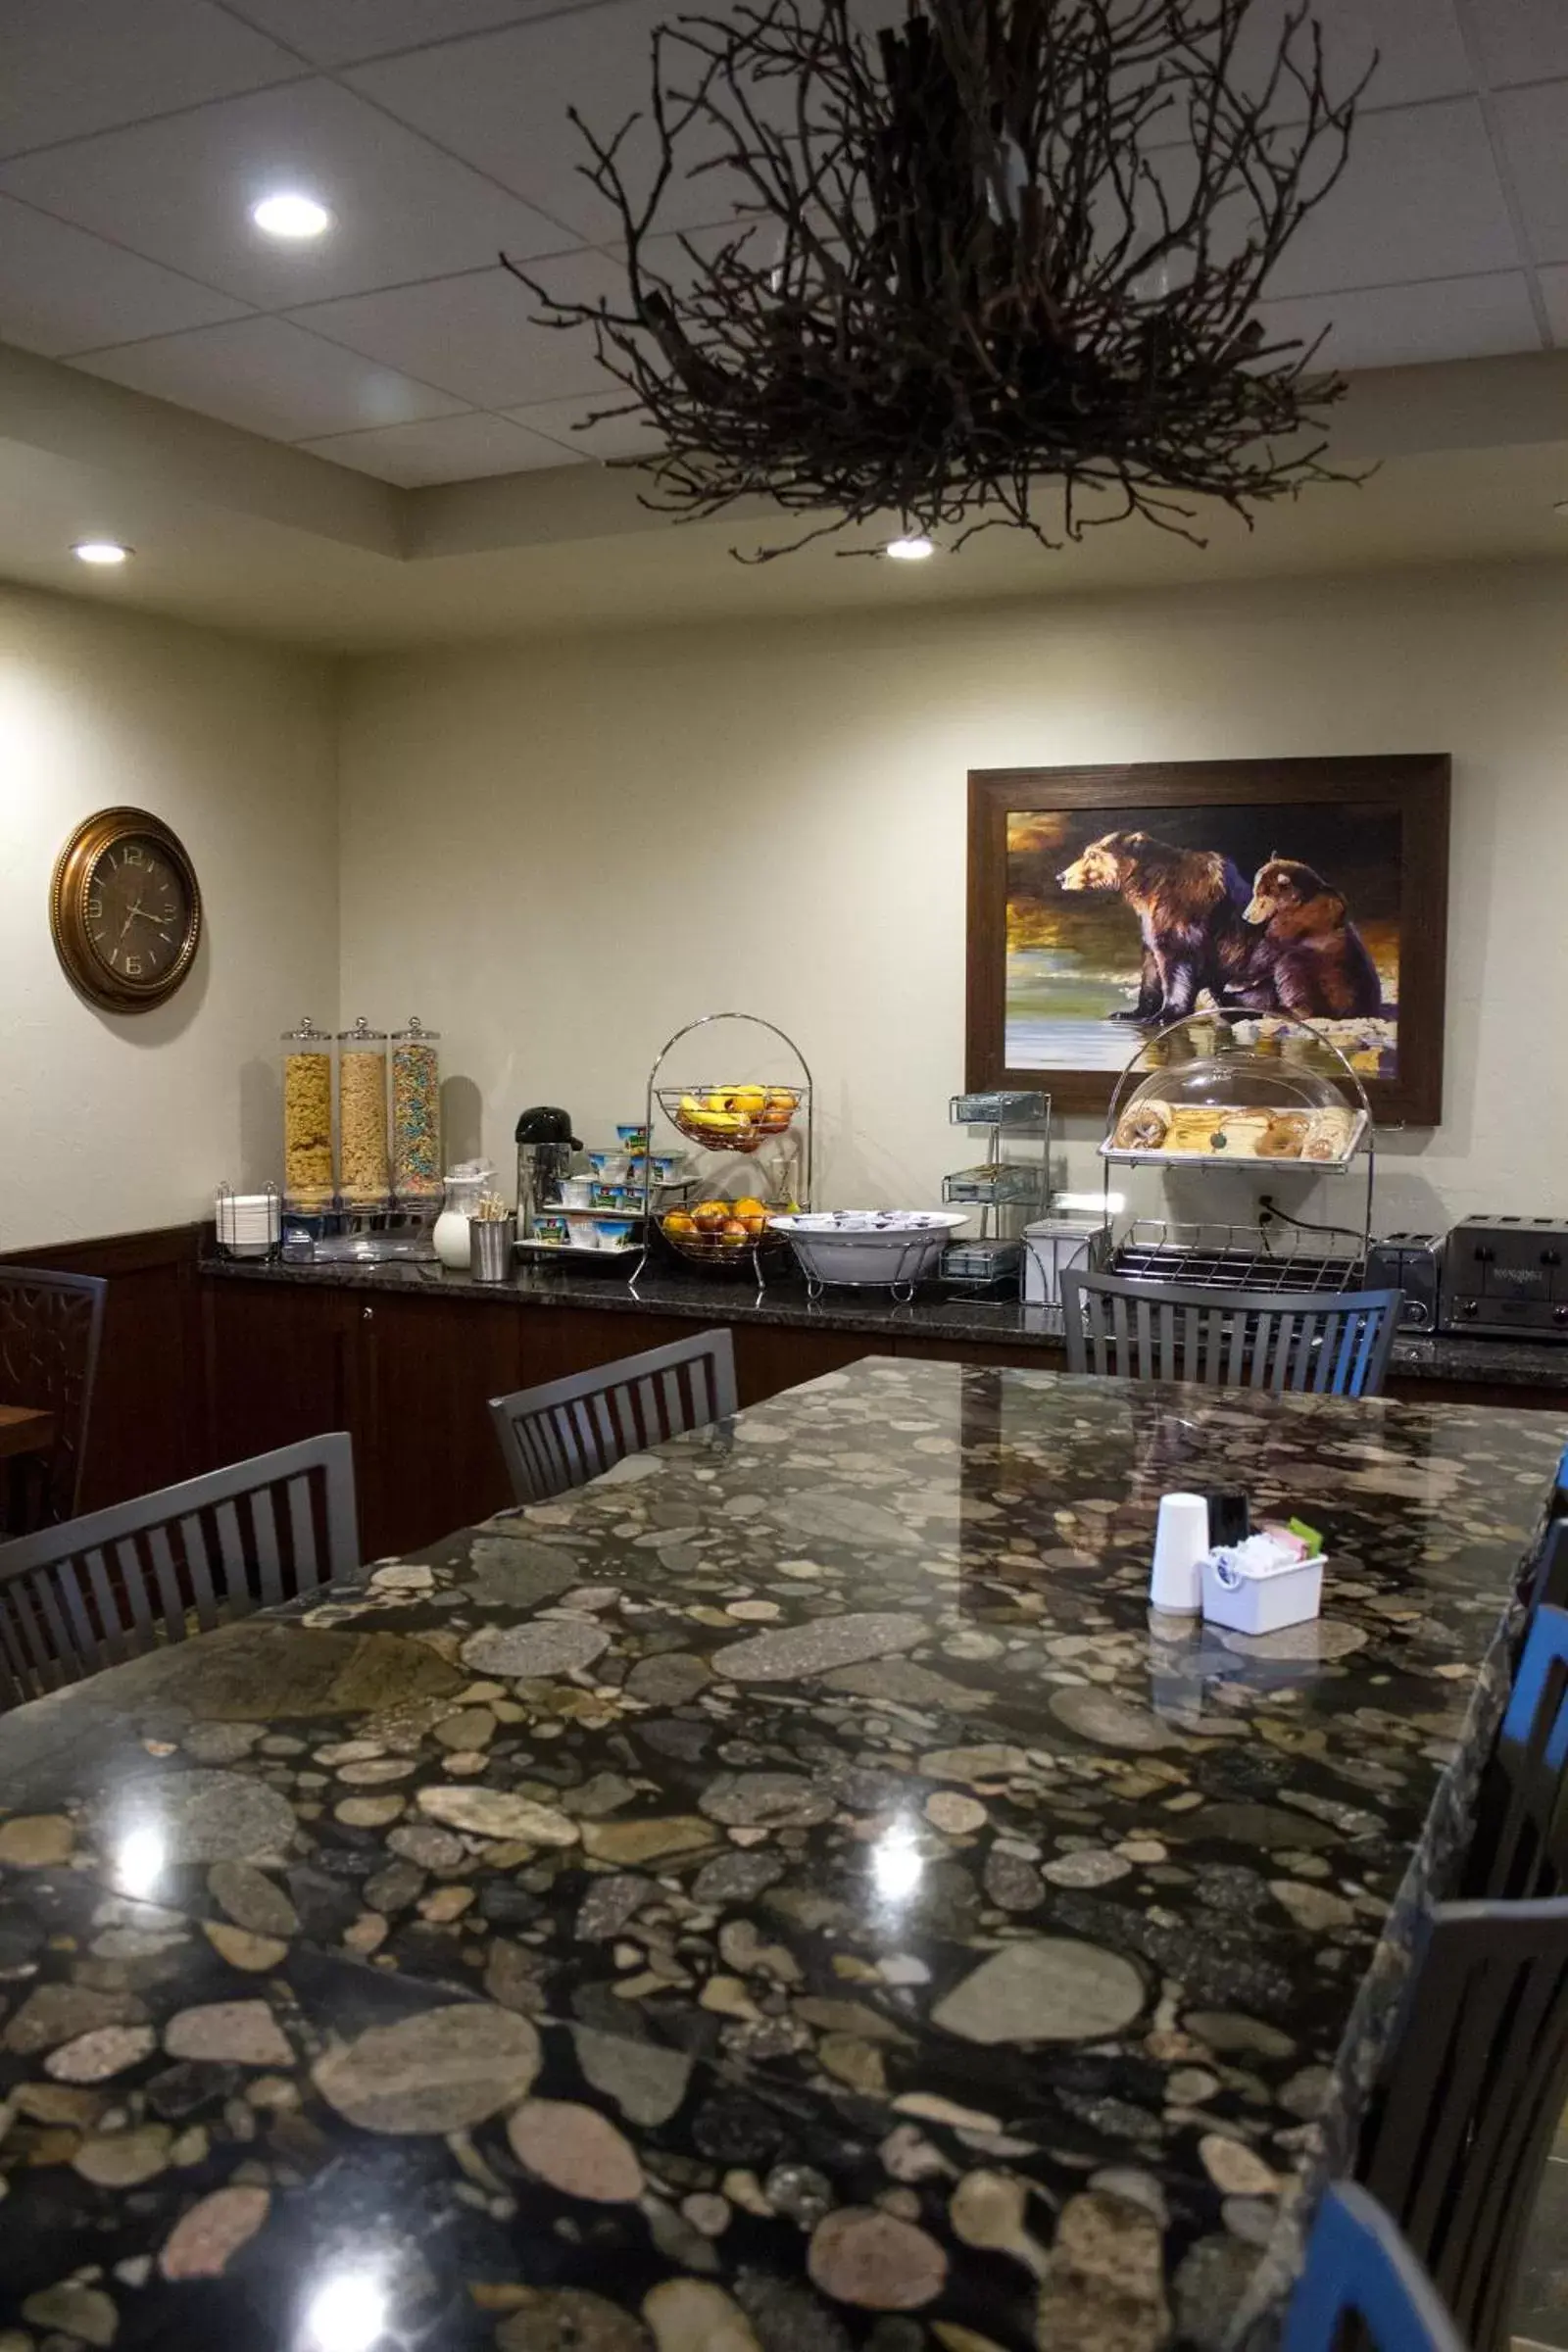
(70, 887)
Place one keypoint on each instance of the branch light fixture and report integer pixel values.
(997, 264)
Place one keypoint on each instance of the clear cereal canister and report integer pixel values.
(415, 1113)
(364, 1172)
(308, 1173)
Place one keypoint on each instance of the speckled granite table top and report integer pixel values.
(786, 1897)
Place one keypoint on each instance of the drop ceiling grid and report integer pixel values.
(425, 355)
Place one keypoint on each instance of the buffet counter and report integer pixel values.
(406, 1357)
(952, 1324)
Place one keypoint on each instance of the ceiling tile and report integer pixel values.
(70, 67)
(630, 436)
(1418, 46)
(1535, 132)
(1522, 40)
(1420, 198)
(62, 290)
(1553, 284)
(500, 101)
(443, 449)
(270, 377)
(339, 32)
(183, 187)
(1400, 327)
(475, 334)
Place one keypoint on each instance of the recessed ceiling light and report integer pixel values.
(910, 550)
(100, 551)
(291, 216)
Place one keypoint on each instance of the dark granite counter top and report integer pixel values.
(935, 1314)
(788, 1896)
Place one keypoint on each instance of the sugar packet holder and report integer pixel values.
(1263, 1585)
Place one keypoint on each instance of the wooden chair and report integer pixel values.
(1333, 1344)
(50, 1329)
(563, 1434)
(1459, 2130)
(77, 1598)
(1359, 2269)
(1519, 1848)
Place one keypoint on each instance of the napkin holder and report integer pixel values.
(1260, 1597)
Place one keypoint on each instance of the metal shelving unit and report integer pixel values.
(1006, 1190)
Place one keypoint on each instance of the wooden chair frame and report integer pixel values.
(77, 1598)
(562, 1434)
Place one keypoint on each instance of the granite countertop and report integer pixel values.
(788, 1896)
(935, 1313)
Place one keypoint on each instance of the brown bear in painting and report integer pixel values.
(1188, 908)
(1311, 959)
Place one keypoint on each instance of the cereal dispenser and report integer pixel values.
(365, 1176)
(415, 1115)
(308, 1178)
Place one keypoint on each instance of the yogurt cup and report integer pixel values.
(584, 1232)
(577, 1192)
(614, 1233)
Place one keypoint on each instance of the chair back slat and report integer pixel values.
(1326, 1345)
(264, 1548)
(302, 1533)
(77, 1598)
(106, 1606)
(1460, 2127)
(199, 1569)
(561, 1434)
(233, 1557)
(1358, 2268)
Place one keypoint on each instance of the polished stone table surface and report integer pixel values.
(788, 1896)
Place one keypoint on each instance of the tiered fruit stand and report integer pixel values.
(766, 1122)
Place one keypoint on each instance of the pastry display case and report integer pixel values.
(1210, 1094)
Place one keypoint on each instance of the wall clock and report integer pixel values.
(125, 910)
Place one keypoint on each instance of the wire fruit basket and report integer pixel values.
(730, 1118)
(766, 1119)
(725, 1235)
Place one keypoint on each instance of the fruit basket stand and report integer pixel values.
(1261, 1108)
(766, 1124)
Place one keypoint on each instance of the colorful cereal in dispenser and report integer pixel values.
(415, 1113)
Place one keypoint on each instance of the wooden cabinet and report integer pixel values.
(275, 1360)
(421, 1372)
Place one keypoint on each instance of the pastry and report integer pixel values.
(1285, 1136)
(1142, 1127)
(1329, 1135)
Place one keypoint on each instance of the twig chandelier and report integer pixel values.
(1008, 243)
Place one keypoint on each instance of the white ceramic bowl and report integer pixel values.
(868, 1246)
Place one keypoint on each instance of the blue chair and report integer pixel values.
(1319, 1343)
(1358, 2268)
(1518, 1850)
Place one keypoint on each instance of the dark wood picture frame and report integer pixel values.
(1416, 785)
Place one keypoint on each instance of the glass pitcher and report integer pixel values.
(464, 1185)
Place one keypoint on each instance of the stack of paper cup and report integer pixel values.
(1181, 1540)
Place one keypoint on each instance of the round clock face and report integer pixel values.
(127, 910)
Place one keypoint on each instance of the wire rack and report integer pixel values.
(1272, 1256)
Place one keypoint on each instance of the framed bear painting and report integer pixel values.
(1105, 903)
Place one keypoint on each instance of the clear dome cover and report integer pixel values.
(1241, 1103)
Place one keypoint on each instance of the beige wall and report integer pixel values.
(560, 853)
(108, 1123)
